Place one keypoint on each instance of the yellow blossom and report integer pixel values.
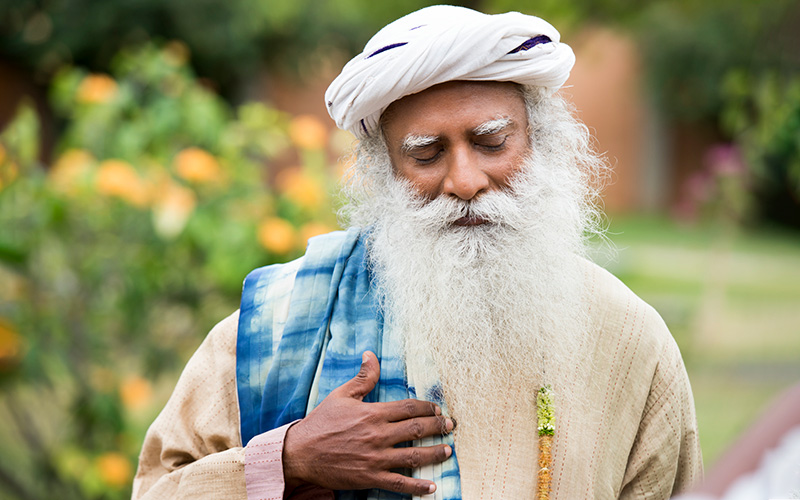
(197, 165)
(308, 132)
(69, 168)
(312, 229)
(300, 188)
(135, 392)
(10, 345)
(97, 88)
(115, 469)
(277, 235)
(172, 207)
(120, 179)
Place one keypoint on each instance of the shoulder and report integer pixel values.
(216, 355)
(631, 340)
(222, 337)
(618, 315)
(644, 382)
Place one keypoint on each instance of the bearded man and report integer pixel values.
(459, 292)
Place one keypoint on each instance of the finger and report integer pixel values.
(418, 428)
(361, 385)
(404, 484)
(396, 411)
(413, 457)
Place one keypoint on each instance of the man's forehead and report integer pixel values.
(479, 107)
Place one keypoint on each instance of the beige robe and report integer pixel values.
(638, 441)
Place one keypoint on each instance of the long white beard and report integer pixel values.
(492, 311)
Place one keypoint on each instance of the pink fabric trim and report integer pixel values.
(263, 465)
(263, 469)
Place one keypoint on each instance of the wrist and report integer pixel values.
(264, 476)
(292, 457)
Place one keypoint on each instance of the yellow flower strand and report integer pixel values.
(546, 426)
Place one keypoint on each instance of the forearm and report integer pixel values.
(217, 476)
(252, 472)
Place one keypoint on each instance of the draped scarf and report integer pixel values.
(287, 362)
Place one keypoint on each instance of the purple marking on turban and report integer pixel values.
(364, 126)
(384, 49)
(532, 42)
(417, 27)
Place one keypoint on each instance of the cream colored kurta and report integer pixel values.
(635, 436)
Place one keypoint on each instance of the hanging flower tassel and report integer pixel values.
(546, 420)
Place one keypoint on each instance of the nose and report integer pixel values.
(465, 178)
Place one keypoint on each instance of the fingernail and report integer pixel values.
(437, 410)
(449, 424)
(448, 451)
(364, 357)
(431, 488)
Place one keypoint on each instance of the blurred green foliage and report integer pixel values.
(762, 115)
(116, 259)
(230, 39)
(119, 256)
(690, 47)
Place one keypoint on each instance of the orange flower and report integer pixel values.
(120, 179)
(70, 167)
(300, 188)
(277, 235)
(115, 469)
(135, 392)
(197, 165)
(10, 345)
(97, 89)
(308, 132)
(313, 229)
(172, 207)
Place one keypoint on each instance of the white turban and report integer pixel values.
(441, 44)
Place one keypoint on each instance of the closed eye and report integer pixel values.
(428, 155)
(491, 143)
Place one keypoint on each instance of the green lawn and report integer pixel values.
(731, 299)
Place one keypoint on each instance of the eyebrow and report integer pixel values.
(492, 126)
(412, 142)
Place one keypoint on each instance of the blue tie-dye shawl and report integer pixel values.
(288, 361)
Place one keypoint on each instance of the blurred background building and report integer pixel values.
(153, 151)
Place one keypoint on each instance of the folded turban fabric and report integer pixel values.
(441, 44)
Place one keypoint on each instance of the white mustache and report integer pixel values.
(498, 207)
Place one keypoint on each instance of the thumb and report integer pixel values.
(361, 385)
